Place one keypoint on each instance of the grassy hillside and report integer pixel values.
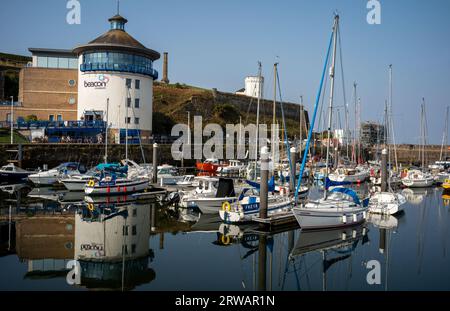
(5, 137)
(172, 102)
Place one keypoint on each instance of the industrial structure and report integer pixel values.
(372, 134)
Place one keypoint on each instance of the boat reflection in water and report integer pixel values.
(111, 245)
(335, 245)
(416, 196)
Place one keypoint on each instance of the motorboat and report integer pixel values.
(247, 206)
(206, 188)
(210, 202)
(386, 203)
(417, 179)
(340, 208)
(52, 176)
(441, 177)
(188, 181)
(11, 174)
(208, 166)
(77, 182)
(233, 167)
(168, 175)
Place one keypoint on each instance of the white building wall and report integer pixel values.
(95, 88)
(252, 86)
(104, 240)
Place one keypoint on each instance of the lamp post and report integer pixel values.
(12, 120)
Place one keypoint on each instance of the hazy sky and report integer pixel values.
(216, 43)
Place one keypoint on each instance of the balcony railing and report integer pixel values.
(26, 125)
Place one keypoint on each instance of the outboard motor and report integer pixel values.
(172, 198)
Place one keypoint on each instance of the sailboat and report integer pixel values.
(420, 178)
(341, 207)
(387, 202)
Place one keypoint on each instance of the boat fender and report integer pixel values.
(344, 219)
(225, 240)
(91, 207)
(355, 218)
(91, 183)
(226, 206)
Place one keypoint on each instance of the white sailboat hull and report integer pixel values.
(334, 214)
(240, 216)
(386, 203)
(418, 183)
(358, 177)
(128, 186)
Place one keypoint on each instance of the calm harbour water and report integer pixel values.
(173, 249)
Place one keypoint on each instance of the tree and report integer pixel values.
(31, 118)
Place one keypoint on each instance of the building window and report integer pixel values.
(124, 250)
(8, 117)
(136, 120)
(52, 62)
(72, 101)
(73, 63)
(128, 120)
(133, 230)
(136, 103)
(133, 248)
(42, 62)
(59, 117)
(137, 84)
(72, 82)
(125, 230)
(51, 118)
(63, 62)
(128, 83)
(128, 102)
(134, 212)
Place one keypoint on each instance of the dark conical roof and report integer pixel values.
(118, 17)
(117, 40)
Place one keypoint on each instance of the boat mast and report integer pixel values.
(274, 110)
(106, 131)
(354, 156)
(127, 121)
(330, 107)
(257, 116)
(422, 134)
(444, 135)
(301, 123)
(391, 124)
(359, 132)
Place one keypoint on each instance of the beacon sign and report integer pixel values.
(100, 83)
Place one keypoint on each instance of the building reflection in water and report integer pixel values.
(112, 245)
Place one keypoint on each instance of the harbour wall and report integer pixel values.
(36, 155)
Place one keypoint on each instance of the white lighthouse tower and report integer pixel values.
(115, 82)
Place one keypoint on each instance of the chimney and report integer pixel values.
(165, 78)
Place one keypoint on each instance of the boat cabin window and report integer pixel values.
(7, 168)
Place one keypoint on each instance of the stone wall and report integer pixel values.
(36, 155)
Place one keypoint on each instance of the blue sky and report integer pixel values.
(216, 43)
